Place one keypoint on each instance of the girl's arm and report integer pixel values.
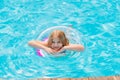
(37, 44)
(42, 45)
(76, 47)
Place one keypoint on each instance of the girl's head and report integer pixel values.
(57, 40)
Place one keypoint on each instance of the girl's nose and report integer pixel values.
(56, 44)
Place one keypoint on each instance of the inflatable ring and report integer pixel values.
(72, 35)
(40, 52)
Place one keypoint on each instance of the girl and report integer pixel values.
(57, 42)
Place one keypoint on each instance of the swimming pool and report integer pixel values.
(23, 20)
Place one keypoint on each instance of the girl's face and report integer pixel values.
(56, 44)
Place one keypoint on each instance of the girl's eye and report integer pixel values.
(59, 42)
(53, 42)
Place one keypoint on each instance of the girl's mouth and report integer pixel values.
(56, 48)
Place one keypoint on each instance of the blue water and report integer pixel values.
(97, 21)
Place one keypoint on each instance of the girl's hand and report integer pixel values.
(49, 50)
(62, 49)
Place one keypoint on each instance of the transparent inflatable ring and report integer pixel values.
(72, 34)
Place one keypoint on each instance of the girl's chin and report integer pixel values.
(56, 49)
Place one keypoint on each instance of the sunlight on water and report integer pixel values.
(95, 24)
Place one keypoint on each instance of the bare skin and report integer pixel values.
(56, 46)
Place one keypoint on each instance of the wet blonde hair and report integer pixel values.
(59, 34)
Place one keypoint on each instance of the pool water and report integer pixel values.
(97, 21)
